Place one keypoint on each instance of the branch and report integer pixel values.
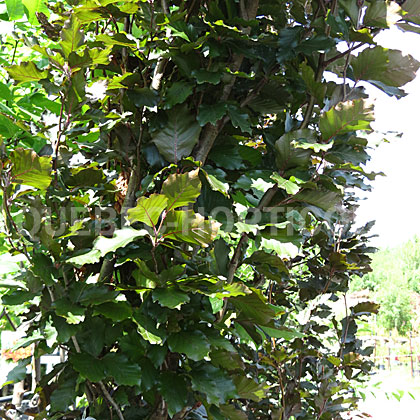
(239, 252)
(343, 54)
(111, 400)
(210, 131)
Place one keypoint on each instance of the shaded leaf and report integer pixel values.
(170, 297)
(288, 156)
(143, 97)
(180, 135)
(239, 119)
(88, 366)
(117, 311)
(174, 391)
(324, 199)
(121, 370)
(254, 307)
(217, 387)
(211, 113)
(193, 344)
(248, 389)
(178, 93)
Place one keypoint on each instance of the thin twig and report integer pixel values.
(111, 400)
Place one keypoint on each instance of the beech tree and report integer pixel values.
(179, 181)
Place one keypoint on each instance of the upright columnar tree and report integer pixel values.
(179, 180)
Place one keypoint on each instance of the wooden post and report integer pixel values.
(411, 357)
(18, 391)
(389, 352)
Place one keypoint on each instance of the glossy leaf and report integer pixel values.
(170, 297)
(102, 245)
(181, 189)
(187, 226)
(288, 156)
(346, 117)
(148, 209)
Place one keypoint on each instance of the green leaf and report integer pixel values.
(248, 389)
(239, 119)
(216, 184)
(189, 227)
(170, 297)
(254, 307)
(366, 308)
(323, 199)
(72, 36)
(232, 413)
(147, 329)
(88, 366)
(193, 344)
(14, 9)
(352, 10)
(389, 67)
(102, 245)
(382, 14)
(117, 39)
(174, 390)
(287, 155)
(148, 209)
(180, 135)
(346, 117)
(269, 265)
(211, 113)
(181, 189)
(282, 332)
(32, 7)
(217, 387)
(31, 169)
(316, 89)
(285, 184)
(317, 43)
(205, 76)
(121, 370)
(63, 396)
(143, 97)
(18, 373)
(178, 93)
(26, 71)
(117, 311)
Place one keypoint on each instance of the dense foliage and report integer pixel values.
(179, 180)
(394, 283)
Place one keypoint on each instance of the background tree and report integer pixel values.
(181, 177)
